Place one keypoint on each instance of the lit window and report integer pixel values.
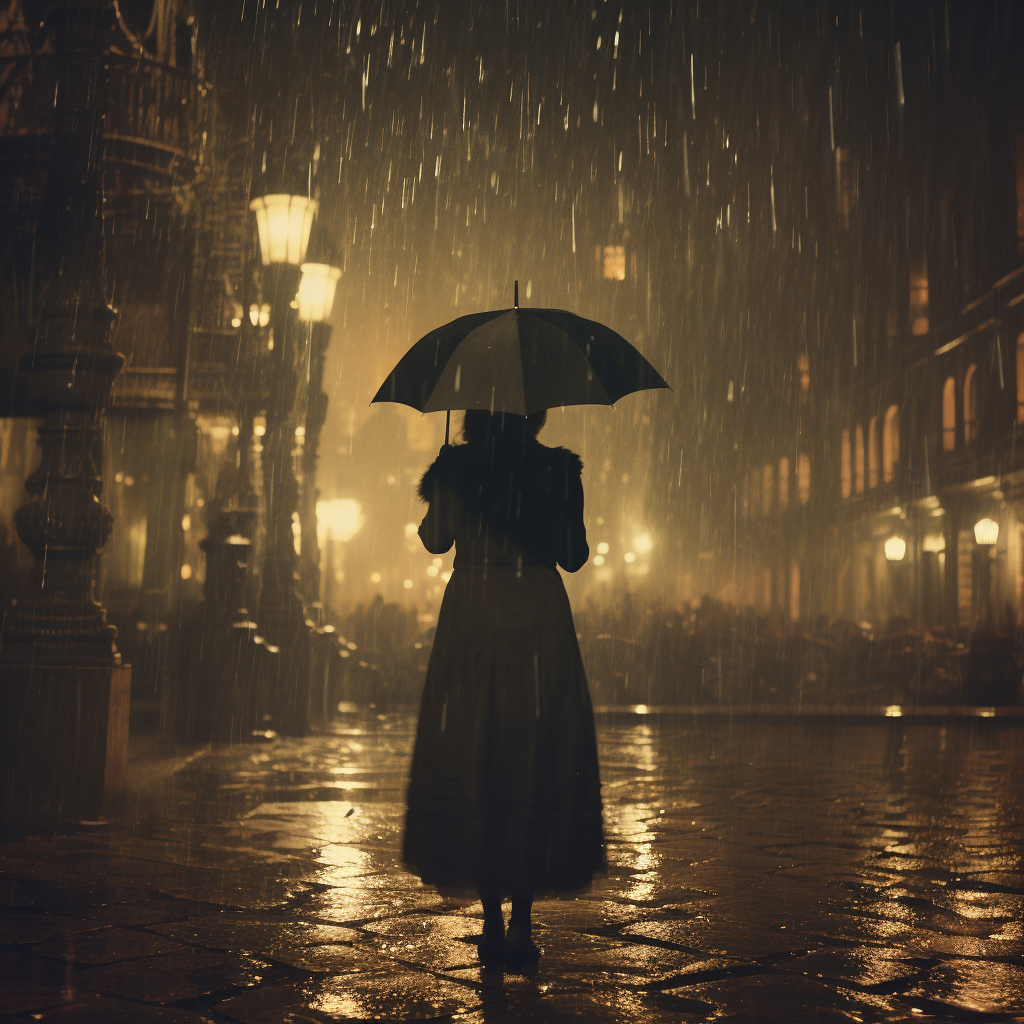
(803, 478)
(769, 486)
(783, 482)
(1020, 378)
(613, 263)
(845, 465)
(803, 365)
(949, 415)
(971, 404)
(890, 444)
(919, 299)
(858, 459)
(873, 452)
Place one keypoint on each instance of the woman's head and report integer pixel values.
(479, 425)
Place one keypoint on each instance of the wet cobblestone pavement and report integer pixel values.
(760, 871)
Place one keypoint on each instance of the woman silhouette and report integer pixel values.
(504, 794)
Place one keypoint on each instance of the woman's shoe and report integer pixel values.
(491, 948)
(520, 949)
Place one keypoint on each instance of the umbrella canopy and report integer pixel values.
(518, 361)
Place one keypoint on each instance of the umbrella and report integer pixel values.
(518, 361)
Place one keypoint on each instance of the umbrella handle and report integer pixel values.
(447, 424)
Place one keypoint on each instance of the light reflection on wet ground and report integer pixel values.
(759, 871)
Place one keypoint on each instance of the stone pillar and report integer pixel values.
(282, 617)
(63, 693)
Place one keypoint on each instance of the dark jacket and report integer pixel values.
(511, 505)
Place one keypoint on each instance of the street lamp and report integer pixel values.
(283, 223)
(316, 291)
(895, 548)
(986, 533)
(315, 300)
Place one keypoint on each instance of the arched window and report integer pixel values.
(783, 482)
(845, 465)
(803, 478)
(890, 444)
(873, 452)
(858, 460)
(1020, 375)
(971, 404)
(769, 487)
(949, 415)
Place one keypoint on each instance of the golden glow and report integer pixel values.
(342, 518)
(283, 223)
(895, 549)
(316, 291)
(613, 263)
(986, 531)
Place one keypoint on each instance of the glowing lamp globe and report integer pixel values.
(316, 291)
(986, 532)
(283, 223)
(895, 549)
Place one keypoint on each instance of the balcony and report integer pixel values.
(156, 127)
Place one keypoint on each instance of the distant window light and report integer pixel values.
(949, 415)
(613, 263)
(971, 404)
(803, 365)
(919, 300)
(783, 482)
(890, 444)
(873, 452)
(803, 478)
(858, 460)
(845, 465)
(769, 487)
(1020, 378)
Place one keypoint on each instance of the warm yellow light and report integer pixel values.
(254, 314)
(375, 577)
(643, 543)
(613, 263)
(629, 556)
(602, 548)
(283, 223)
(316, 291)
(986, 531)
(341, 517)
(598, 559)
(933, 542)
(895, 549)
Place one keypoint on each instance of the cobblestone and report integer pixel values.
(760, 870)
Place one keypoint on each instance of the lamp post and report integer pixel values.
(283, 223)
(895, 551)
(986, 534)
(59, 667)
(316, 299)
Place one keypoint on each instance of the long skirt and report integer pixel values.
(505, 793)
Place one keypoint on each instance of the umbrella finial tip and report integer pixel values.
(517, 295)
